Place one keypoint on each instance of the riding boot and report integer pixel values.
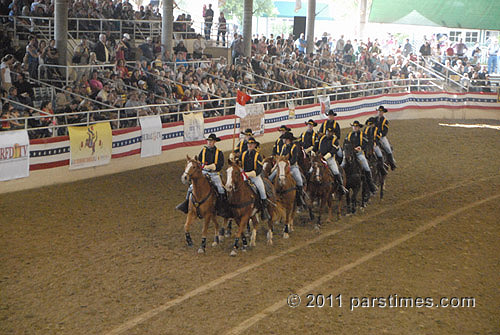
(340, 183)
(222, 206)
(264, 215)
(299, 196)
(392, 163)
(183, 206)
(369, 180)
(381, 166)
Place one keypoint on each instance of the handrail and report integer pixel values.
(448, 70)
(350, 90)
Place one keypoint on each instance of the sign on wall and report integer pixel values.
(255, 119)
(14, 154)
(194, 126)
(151, 137)
(90, 146)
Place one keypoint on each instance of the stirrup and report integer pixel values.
(183, 206)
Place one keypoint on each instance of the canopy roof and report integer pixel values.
(286, 9)
(467, 14)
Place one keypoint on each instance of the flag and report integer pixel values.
(298, 5)
(241, 100)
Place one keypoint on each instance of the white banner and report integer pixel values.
(324, 103)
(194, 126)
(14, 154)
(255, 119)
(150, 135)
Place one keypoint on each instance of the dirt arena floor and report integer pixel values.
(108, 256)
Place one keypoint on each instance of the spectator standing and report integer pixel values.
(425, 49)
(32, 55)
(339, 48)
(493, 56)
(101, 50)
(460, 48)
(407, 49)
(81, 53)
(209, 18)
(147, 50)
(301, 44)
(5, 77)
(222, 29)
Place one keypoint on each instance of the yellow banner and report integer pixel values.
(90, 146)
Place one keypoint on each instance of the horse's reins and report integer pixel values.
(196, 203)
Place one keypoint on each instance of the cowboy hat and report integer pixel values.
(284, 128)
(213, 137)
(357, 124)
(248, 132)
(252, 140)
(312, 123)
(370, 121)
(331, 112)
(382, 109)
(288, 136)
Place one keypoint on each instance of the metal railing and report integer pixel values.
(137, 29)
(448, 73)
(128, 116)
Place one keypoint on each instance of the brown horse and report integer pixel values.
(322, 188)
(243, 202)
(286, 191)
(201, 204)
(267, 166)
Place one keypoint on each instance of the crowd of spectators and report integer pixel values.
(131, 80)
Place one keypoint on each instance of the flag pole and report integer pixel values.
(234, 132)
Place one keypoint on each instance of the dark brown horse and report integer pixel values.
(243, 201)
(354, 178)
(321, 187)
(201, 204)
(379, 170)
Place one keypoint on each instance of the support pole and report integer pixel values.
(362, 18)
(167, 25)
(311, 18)
(247, 26)
(61, 30)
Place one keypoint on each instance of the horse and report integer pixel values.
(354, 177)
(379, 174)
(285, 187)
(321, 187)
(267, 166)
(243, 201)
(201, 204)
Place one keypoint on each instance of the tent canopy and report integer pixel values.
(466, 14)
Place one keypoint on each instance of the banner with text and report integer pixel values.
(194, 126)
(90, 146)
(255, 119)
(14, 155)
(151, 137)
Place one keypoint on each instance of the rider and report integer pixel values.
(293, 150)
(331, 123)
(279, 144)
(383, 125)
(359, 142)
(327, 146)
(251, 161)
(212, 161)
(243, 144)
(309, 138)
(373, 135)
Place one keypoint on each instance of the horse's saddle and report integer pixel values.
(270, 192)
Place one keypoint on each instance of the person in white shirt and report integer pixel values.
(5, 77)
(199, 46)
(493, 56)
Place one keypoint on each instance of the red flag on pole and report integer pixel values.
(241, 99)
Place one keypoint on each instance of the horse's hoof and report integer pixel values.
(201, 250)
(189, 245)
(221, 238)
(285, 235)
(228, 234)
(253, 244)
(214, 244)
(269, 242)
(317, 228)
(233, 253)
